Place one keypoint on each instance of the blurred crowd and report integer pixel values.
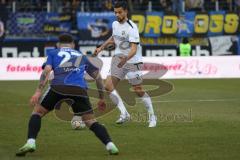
(73, 6)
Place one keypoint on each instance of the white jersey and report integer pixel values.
(123, 34)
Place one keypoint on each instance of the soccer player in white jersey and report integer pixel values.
(127, 61)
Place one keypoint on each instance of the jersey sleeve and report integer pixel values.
(49, 60)
(43, 65)
(90, 68)
(113, 27)
(134, 35)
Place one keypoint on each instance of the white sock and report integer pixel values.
(109, 145)
(31, 141)
(117, 100)
(148, 103)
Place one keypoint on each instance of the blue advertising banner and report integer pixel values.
(26, 23)
(186, 24)
(94, 28)
(154, 20)
(38, 23)
(216, 23)
(57, 23)
(152, 25)
(99, 19)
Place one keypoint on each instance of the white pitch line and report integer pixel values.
(196, 100)
(163, 101)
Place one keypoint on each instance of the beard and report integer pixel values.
(120, 19)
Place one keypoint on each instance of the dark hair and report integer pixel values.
(65, 38)
(185, 40)
(119, 4)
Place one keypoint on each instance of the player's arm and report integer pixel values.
(104, 45)
(42, 83)
(44, 78)
(94, 72)
(100, 85)
(99, 82)
(132, 53)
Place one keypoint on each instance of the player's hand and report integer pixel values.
(35, 98)
(101, 105)
(97, 51)
(122, 62)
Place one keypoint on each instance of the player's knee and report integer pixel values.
(109, 88)
(138, 90)
(90, 122)
(40, 111)
(140, 93)
(88, 119)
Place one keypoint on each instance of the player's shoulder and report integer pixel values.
(52, 52)
(115, 23)
(76, 51)
(132, 24)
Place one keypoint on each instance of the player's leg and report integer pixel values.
(82, 106)
(115, 75)
(146, 99)
(135, 79)
(110, 87)
(34, 126)
(101, 132)
(47, 103)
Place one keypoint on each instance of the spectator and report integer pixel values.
(235, 43)
(156, 5)
(39, 5)
(66, 6)
(143, 5)
(166, 5)
(3, 18)
(185, 48)
(225, 5)
(76, 5)
(162, 5)
(210, 5)
(95, 5)
(194, 5)
(107, 5)
(177, 6)
(237, 5)
(55, 6)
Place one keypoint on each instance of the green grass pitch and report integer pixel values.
(198, 120)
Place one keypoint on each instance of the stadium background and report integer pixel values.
(212, 26)
(198, 119)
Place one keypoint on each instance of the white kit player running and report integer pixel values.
(127, 61)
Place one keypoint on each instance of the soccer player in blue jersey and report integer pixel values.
(68, 83)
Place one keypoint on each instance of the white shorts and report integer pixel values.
(132, 71)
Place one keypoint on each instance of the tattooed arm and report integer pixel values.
(44, 78)
(42, 83)
(99, 82)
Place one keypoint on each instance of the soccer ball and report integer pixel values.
(77, 123)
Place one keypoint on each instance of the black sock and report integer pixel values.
(101, 132)
(34, 126)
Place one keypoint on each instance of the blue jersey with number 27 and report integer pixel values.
(69, 66)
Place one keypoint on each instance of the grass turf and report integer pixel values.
(199, 119)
